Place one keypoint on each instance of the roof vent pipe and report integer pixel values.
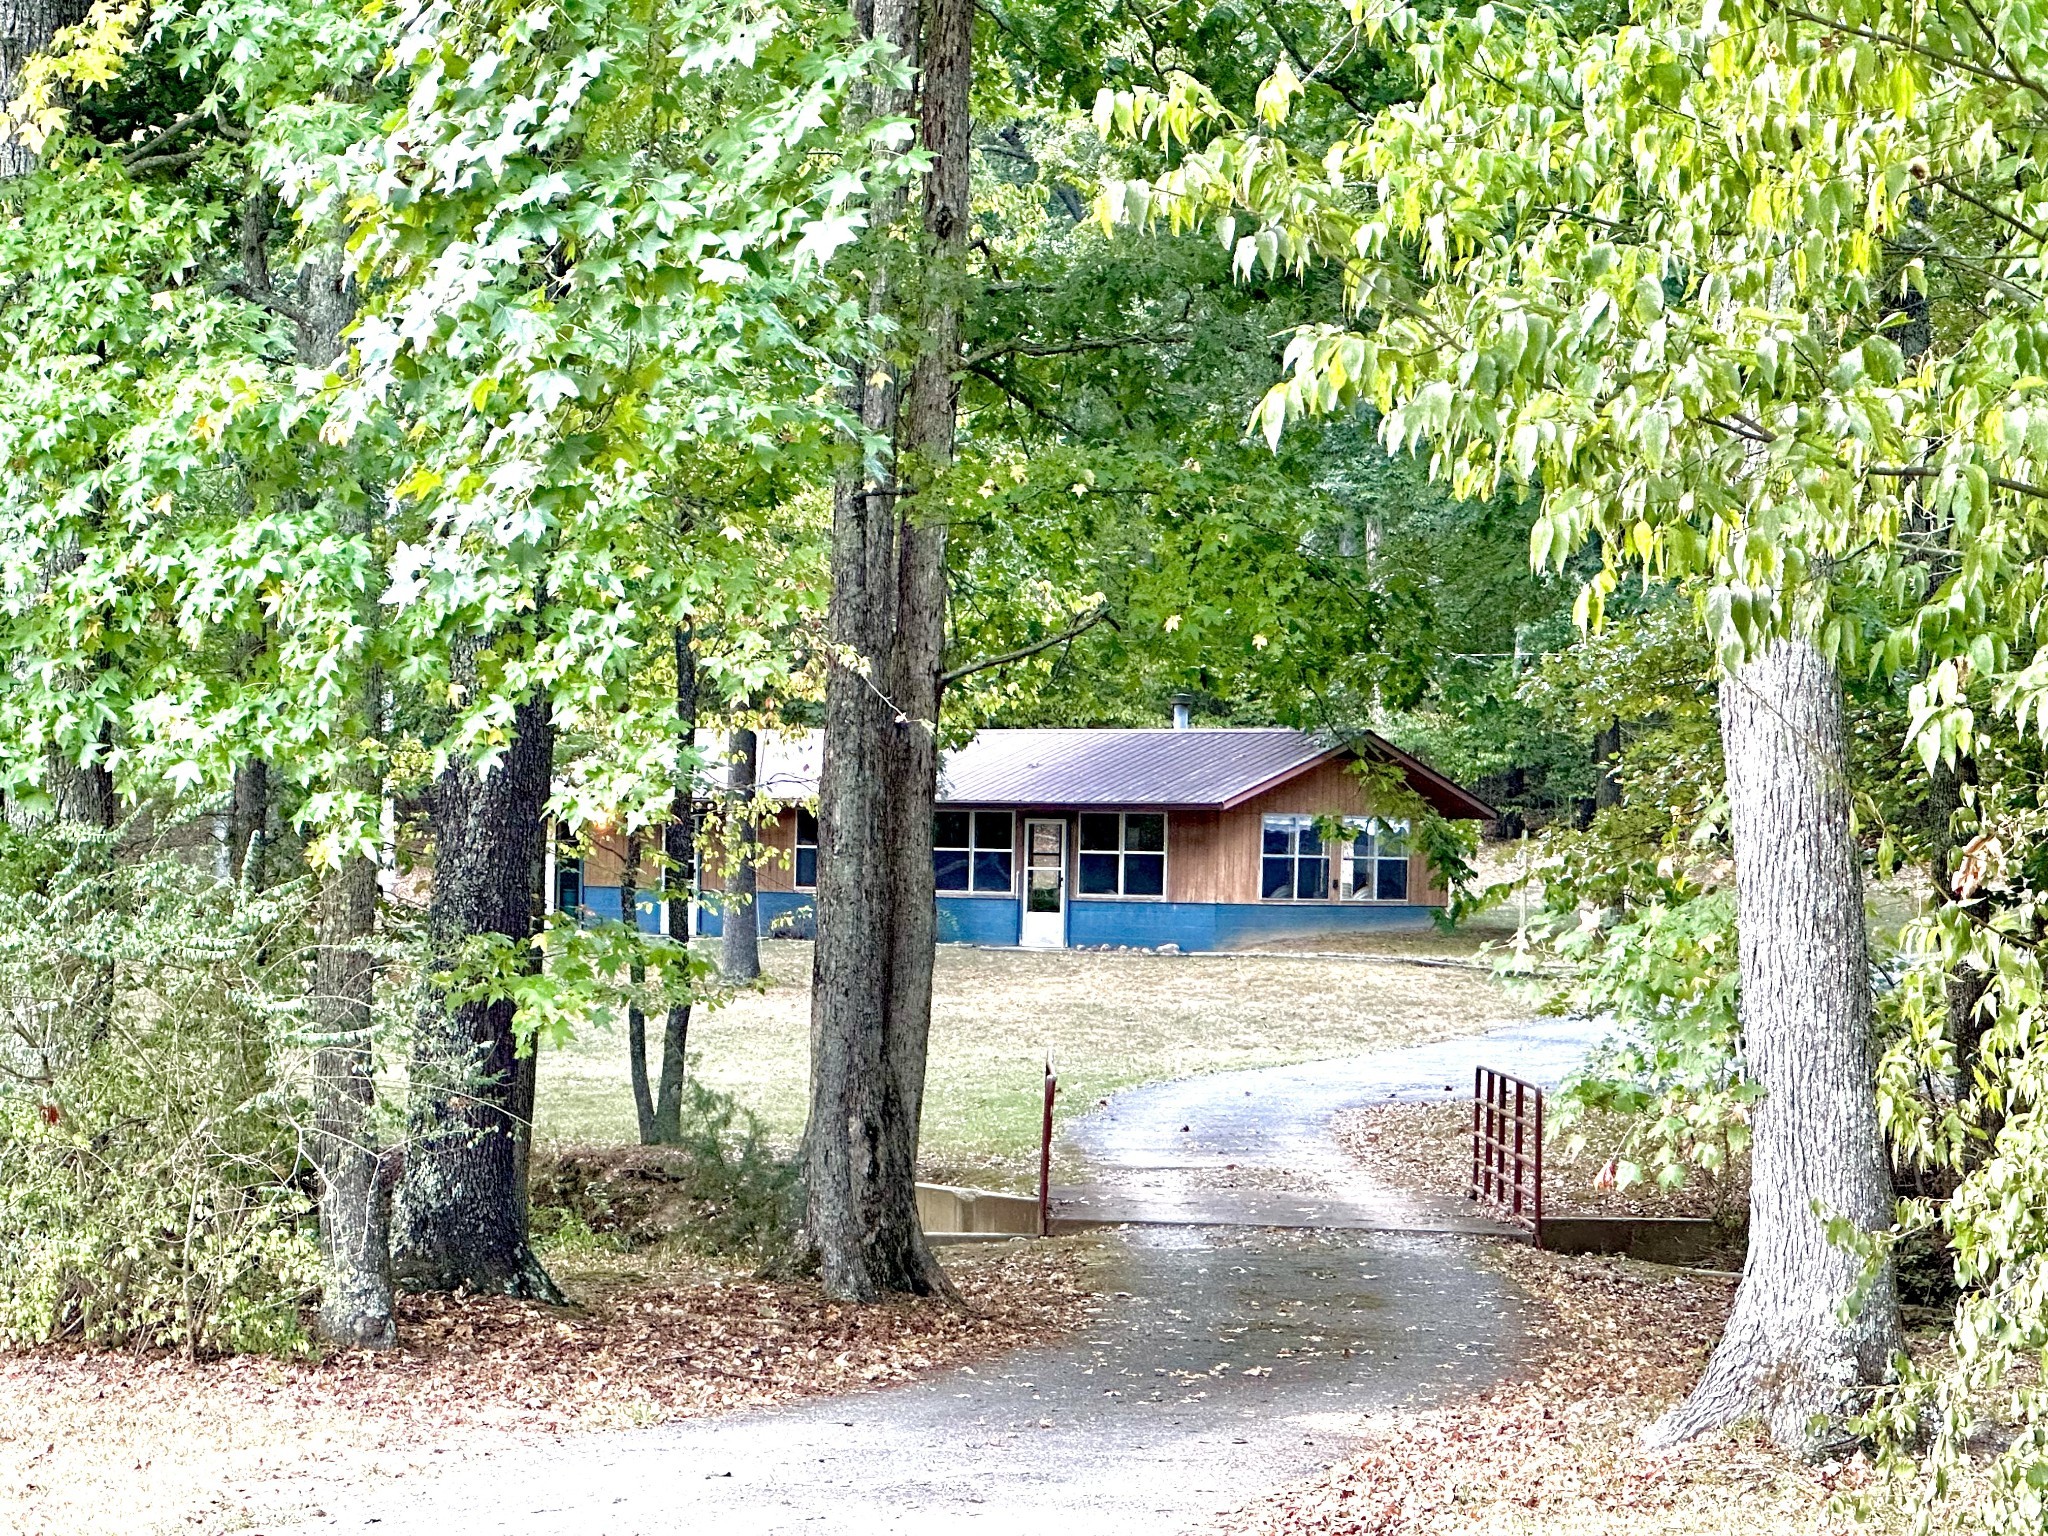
(1183, 711)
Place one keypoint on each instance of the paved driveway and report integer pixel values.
(1254, 1148)
(1225, 1360)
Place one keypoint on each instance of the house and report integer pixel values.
(1199, 838)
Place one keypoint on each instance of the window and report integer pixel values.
(1375, 866)
(806, 850)
(973, 851)
(569, 885)
(1293, 865)
(1123, 853)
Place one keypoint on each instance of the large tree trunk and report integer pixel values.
(461, 1221)
(872, 987)
(26, 29)
(681, 849)
(1817, 1150)
(740, 945)
(355, 1174)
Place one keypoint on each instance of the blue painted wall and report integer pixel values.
(1146, 924)
(606, 904)
(1216, 925)
(769, 906)
(993, 920)
(978, 919)
(1260, 923)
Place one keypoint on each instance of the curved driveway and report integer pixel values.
(1224, 1361)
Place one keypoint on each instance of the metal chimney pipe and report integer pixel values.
(1183, 711)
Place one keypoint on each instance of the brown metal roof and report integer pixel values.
(1122, 767)
(1114, 767)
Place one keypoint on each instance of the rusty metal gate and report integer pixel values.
(1507, 1147)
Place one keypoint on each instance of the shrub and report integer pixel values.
(720, 1190)
(151, 1189)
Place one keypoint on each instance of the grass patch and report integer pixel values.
(1109, 1020)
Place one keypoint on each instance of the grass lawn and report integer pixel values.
(1109, 1021)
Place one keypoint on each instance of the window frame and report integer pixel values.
(1369, 829)
(974, 847)
(571, 865)
(1122, 855)
(796, 851)
(1297, 823)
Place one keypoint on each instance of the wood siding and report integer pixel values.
(1214, 855)
(776, 868)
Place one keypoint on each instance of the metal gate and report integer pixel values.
(1507, 1147)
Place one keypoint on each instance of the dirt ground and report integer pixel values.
(1107, 1020)
(97, 1443)
(1555, 1451)
(1427, 1147)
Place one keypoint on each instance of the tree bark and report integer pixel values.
(356, 1174)
(27, 28)
(1817, 1149)
(681, 848)
(740, 945)
(248, 819)
(636, 1018)
(1965, 988)
(872, 982)
(462, 1220)
(1607, 758)
(81, 792)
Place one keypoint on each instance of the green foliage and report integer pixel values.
(1666, 977)
(151, 1189)
(591, 974)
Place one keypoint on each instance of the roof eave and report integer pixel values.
(1274, 781)
(1468, 806)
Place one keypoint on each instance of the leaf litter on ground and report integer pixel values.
(100, 1442)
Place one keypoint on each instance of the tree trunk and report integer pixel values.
(248, 817)
(682, 862)
(872, 984)
(1607, 758)
(1817, 1149)
(81, 793)
(26, 29)
(461, 1221)
(636, 1019)
(740, 946)
(355, 1177)
(1966, 988)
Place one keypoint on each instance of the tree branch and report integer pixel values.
(1991, 208)
(1929, 472)
(268, 300)
(1025, 652)
(973, 361)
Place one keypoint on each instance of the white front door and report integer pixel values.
(1044, 924)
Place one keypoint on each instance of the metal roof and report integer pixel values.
(1122, 767)
(1199, 767)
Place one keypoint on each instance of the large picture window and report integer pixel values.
(1375, 865)
(806, 850)
(1293, 863)
(1123, 853)
(973, 851)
